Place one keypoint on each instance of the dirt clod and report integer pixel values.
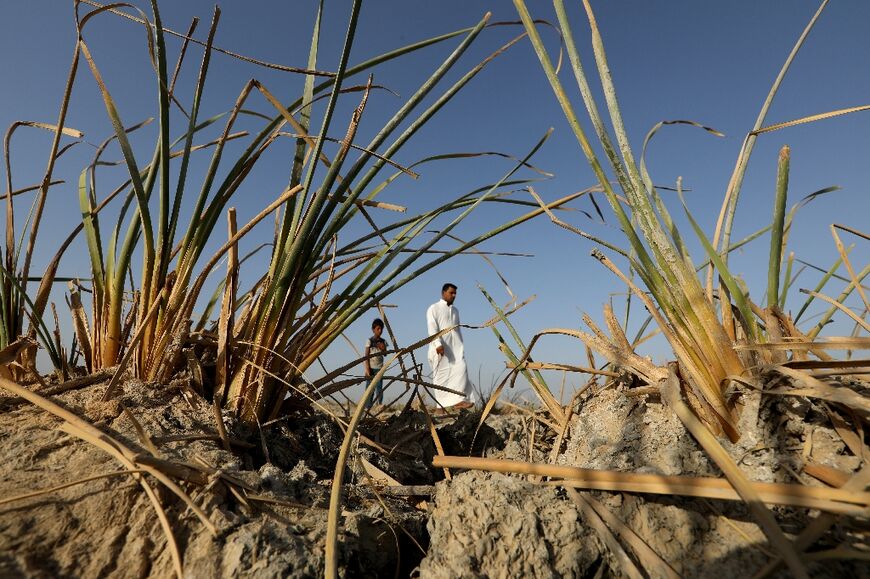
(492, 525)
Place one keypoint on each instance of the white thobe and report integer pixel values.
(449, 369)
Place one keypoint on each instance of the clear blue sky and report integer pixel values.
(708, 62)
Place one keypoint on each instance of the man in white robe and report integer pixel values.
(447, 353)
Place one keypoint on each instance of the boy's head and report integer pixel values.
(378, 326)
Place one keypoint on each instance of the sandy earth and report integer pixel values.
(108, 528)
(502, 526)
(476, 525)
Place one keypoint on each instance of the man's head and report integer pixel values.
(378, 327)
(448, 293)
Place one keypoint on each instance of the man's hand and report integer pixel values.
(440, 350)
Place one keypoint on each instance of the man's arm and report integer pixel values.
(432, 325)
(458, 323)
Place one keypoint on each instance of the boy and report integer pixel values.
(375, 345)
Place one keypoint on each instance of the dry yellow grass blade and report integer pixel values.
(815, 388)
(13, 351)
(860, 321)
(192, 437)
(606, 535)
(862, 371)
(828, 475)
(841, 501)
(53, 489)
(565, 367)
(30, 188)
(810, 119)
(843, 366)
(832, 343)
(18, 359)
(140, 432)
(73, 384)
(794, 498)
(376, 474)
(854, 439)
(68, 131)
(376, 204)
(844, 255)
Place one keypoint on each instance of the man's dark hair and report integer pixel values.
(447, 286)
(378, 323)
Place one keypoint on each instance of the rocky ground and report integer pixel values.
(500, 525)
(268, 498)
(275, 528)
